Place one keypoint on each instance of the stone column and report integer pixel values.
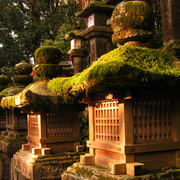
(170, 15)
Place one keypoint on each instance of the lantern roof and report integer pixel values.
(96, 6)
(124, 67)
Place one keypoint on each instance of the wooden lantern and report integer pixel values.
(55, 131)
(128, 133)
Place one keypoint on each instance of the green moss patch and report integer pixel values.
(47, 55)
(64, 159)
(13, 140)
(123, 67)
(72, 34)
(132, 14)
(35, 94)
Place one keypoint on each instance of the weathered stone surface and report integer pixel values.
(170, 15)
(91, 172)
(5, 161)
(132, 21)
(34, 167)
(122, 36)
(22, 68)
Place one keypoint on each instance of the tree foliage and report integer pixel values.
(25, 24)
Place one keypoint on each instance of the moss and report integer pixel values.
(13, 140)
(47, 71)
(47, 55)
(123, 67)
(173, 48)
(84, 172)
(132, 14)
(5, 91)
(24, 79)
(72, 34)
(63, 159)
(8, 102)
(4, 80)
(22, 68)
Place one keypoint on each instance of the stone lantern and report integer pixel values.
(16, 122)
(134, 126)
(76, 52)
(97, 32)
(132, 23)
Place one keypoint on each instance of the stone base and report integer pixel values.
(11, 145)
(92, 172)
(35, 167)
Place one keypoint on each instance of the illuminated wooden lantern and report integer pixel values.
(97, 32)
(129, 131)
(55, 130)
(52, 125)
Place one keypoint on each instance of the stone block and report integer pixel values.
(26, 147)
(116, 169)
(80, 148)
(134, 169)
(46, 151)
(36, 151)
(87, 159)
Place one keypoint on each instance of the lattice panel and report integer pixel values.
(2, 119)
(33, 126)
(22, 119)
(107, 121)
(152, 121)
(60, 124)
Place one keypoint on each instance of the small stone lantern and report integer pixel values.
(76, 52)
(16, 122)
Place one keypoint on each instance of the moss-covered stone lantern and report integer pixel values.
(16, 122)
(46, 63)
(22, 73)
(132, 23)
